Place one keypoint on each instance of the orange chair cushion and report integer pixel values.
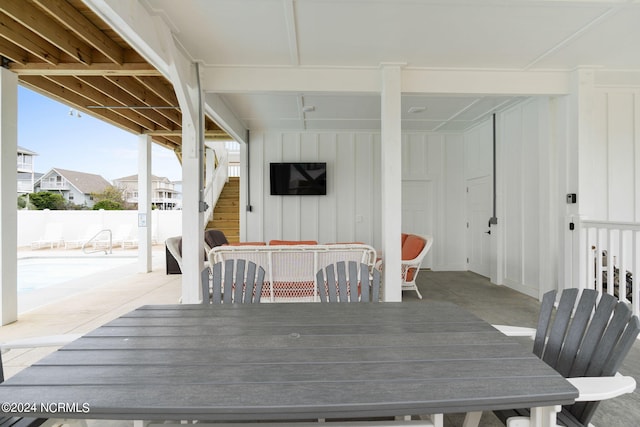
(403, 238)
(292, 242)
(412, 247)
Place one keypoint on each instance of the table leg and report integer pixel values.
(472, 419)
(544, 416)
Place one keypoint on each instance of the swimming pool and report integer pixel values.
(41, 272)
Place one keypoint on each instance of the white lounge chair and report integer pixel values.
(88, 234)
(120, 237)
(52, 236)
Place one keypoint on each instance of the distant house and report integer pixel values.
(26, 173)
(165, 195)
(75, 187)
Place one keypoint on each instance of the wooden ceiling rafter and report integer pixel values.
(63, 50)
(37, 21)
(83, 28)
(12, 31)
(148, 98)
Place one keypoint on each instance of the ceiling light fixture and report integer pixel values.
(416, 110)
(308, 108)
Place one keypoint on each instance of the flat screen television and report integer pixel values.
(298, 179)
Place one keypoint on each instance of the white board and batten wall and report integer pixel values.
(610, 158)
(534, 172)
(432, 190)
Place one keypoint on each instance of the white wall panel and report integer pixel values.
(345, 187)
(309, 205)
(479, 151)
(610, 157)
(511, 146)
(525, 140)
(351, 210)
(451, 196)
(621, 159)
(594, 164)
(328, 207)
(530, 171)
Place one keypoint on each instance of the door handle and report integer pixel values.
(488, 232)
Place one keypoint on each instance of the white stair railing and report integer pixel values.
(610, 259)
(216, 175)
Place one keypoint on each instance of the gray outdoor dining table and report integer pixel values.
(294, 361)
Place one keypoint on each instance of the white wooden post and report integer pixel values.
(8, 197)
(192, 218)
(391, 164)
(144, 204)
(579, 118)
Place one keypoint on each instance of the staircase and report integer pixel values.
(226, 214)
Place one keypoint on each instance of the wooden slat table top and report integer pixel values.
(289, 361)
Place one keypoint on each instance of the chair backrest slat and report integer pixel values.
(544, 320)
(585, 339)
(348, 282)
(375, 285)
(612, 334)
(353, 281)
(559, 326)
(576, 331)
(227, 292)
(250, 282)
(342, 282)
(364, 290)
(593, 335)
(238, 282)
(217, 283)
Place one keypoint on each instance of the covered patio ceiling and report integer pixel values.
(63, 50)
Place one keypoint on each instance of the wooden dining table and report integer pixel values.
(285, 362)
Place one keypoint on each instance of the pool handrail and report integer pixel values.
(107, 250)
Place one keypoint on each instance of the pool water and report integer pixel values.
(38, 273)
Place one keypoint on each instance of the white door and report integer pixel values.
(417, 211)
(479, 211)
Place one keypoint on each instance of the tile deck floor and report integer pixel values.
(120, 293)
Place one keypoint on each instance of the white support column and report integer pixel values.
(8, 195)
(579, 127)
(192, 218)
(391, 180)
(144, 203)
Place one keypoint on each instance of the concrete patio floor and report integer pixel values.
(123, 291)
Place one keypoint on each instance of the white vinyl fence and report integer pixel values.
(75, 224)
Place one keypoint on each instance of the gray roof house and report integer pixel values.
(164, 194)
(76, 187)
(26, 174)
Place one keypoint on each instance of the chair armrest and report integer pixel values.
(601, 388)
(516, 331)
(44, 341)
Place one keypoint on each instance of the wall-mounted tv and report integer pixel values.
(298, 179)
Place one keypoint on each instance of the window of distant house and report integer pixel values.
(70, 196)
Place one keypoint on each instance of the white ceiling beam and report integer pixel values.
(485, 82)
(289, 79)
(144, 32)
(221, 113)
(292, 31)
(367, 80)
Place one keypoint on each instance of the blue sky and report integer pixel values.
(83, 144)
